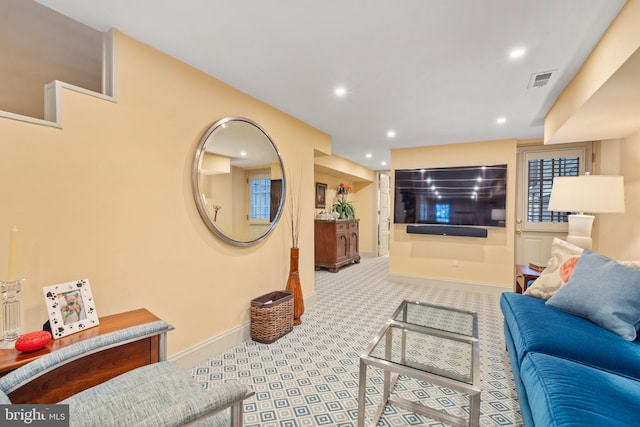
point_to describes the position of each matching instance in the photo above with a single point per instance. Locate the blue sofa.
(569, 371)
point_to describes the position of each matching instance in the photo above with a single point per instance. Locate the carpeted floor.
(309, 377)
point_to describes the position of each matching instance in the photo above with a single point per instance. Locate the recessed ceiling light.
(340, 91)
(369, 155)
(243, 153)
(383, 163)
(517, 53)
(501, 120)
(391, 134)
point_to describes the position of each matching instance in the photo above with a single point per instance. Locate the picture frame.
(70, 307)
(321, 195)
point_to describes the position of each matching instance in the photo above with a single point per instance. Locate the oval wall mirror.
(238, 181)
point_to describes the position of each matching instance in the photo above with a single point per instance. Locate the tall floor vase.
(293, 285)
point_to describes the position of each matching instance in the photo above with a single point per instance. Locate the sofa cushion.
(603, 291)
(536, 327)
(564, 256)
(564, 393)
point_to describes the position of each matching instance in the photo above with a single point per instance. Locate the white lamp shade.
(587, 193)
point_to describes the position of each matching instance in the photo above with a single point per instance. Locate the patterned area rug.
(309, 377)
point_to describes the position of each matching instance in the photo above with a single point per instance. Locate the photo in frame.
(321, 195)
(70, 307)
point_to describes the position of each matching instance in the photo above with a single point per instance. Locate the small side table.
(90, 370)
(524, 274)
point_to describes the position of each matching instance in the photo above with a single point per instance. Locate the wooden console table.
(92, 369)
(336, 244)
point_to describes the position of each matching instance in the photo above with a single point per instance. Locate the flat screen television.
(465, 196)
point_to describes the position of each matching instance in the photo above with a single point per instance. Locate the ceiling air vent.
(540, 79)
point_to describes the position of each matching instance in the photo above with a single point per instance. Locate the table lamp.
(586, 193)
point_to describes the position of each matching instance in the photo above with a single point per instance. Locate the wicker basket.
(271, 316)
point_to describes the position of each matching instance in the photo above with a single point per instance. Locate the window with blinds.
(540, 180)
(259, 195)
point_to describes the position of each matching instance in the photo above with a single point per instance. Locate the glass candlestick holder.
(11, 311)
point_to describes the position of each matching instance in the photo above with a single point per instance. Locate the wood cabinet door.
(353, 242)
(342, 246)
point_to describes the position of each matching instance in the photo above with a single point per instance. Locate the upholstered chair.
(158, 394)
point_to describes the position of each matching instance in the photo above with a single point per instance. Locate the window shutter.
(540, 179)
(260, 188)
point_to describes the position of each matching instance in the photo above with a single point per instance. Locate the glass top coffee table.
(432, 343)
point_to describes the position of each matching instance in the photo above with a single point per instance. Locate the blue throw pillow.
(603, 291)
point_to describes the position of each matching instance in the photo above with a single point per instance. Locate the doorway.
(384, 212)
(535, 225)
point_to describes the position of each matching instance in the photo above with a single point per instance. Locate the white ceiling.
(435, 71)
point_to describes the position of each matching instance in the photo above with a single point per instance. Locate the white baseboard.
(213, 346)
(218, 344)
(448, 283)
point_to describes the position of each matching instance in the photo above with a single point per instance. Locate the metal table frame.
(393, 370)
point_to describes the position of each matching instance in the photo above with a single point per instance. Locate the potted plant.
(343, 206)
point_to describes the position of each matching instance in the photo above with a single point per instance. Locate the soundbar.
(446, 230)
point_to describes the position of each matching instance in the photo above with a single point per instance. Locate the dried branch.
(294, 206)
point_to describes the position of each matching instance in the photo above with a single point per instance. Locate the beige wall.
(108, 198)
(599, 103)
(344, 168)
(618, 235)
(488, 261)
(333, 182)
(39, 46)
(363, 201)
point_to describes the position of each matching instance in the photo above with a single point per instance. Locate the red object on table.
(32, 341)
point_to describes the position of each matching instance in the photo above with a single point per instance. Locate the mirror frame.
(195, 183)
